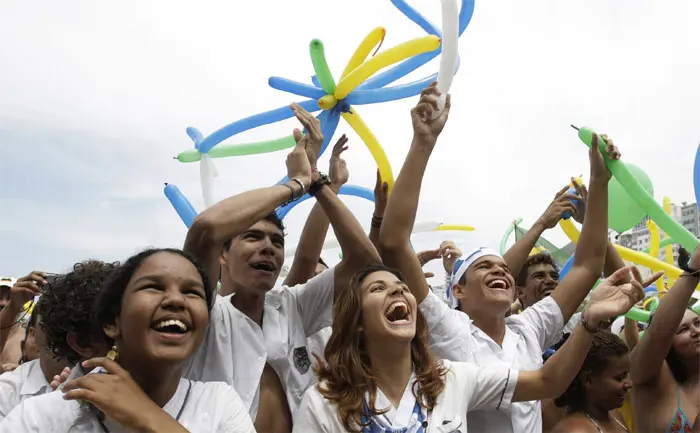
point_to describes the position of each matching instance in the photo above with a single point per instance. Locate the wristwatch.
(319, 183)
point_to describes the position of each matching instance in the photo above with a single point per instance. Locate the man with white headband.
(483, 287)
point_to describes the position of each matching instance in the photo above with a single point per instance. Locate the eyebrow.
(159, 279)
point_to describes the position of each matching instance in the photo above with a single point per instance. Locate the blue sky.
(95, 98)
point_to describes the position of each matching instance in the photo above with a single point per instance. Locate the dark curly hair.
(272, 217)
(534, 260)
(66, 305)
(605, 346)
(108, 303)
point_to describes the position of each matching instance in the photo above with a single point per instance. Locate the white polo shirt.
(209, 407)
(25, 381)
(528, 334)
(235, 349)
(467, 388)
(317, 343)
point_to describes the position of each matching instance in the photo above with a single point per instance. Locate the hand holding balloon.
(426, 128)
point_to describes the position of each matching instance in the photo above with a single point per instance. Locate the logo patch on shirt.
(301, 359)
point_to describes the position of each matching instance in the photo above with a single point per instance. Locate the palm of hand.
(609, 300)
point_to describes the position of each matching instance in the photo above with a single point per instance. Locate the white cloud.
(103, 93)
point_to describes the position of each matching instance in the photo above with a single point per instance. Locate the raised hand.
(117, 396)
(426, 129)
(425, 257)
(27, 287)
(695, 259)
(582, 201)
(559, 206)
(614, 297)
(381, 196)
(298, 165)
(313, 139)
(338, 169)
(450, 254)
(597, 161)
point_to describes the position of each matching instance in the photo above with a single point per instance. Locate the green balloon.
(222, 151)
(323, 72)
(638, 315)
(664, 242)
(623, 211)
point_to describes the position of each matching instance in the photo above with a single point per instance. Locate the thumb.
(619, 275)
(297, 135)
(428, 275)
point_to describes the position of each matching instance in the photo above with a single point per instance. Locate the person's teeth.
(166, 323)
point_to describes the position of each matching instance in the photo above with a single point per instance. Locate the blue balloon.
(357, 191)
(314, 79)
(416, 17)
(328, 128)
(296, 87)
(572, 191)
(566, 268)
(407, 66)
(182, 206)
(650, 289)
(696, 177)
(195, 135)
(253, 122)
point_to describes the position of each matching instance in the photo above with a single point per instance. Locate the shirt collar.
(33, 380)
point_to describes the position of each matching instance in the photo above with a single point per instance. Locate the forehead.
(167, 265)
(689, 316)
(385, 277)
(4, 290)
(266, 227)
(491, 260)
(541, 267)
(618, 363)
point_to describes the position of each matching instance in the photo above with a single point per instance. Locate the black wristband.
(318, 184)
(587, 326)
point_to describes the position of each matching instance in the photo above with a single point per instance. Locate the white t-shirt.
(235, 349)
(452, 336)
(467, 388)
(25, 381)
(317, 343)
(210, 407)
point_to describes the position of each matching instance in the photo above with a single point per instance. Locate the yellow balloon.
(454, 227)
(374, 37)
(361, 128)
(327, 102)
(654, 246)
(627, 254)
(384, 59)
(669, 248)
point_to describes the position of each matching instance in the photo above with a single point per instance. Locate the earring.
(114, 352)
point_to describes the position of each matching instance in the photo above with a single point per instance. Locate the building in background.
(638, 237)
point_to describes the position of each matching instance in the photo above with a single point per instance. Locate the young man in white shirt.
(257, 337)
(479, 331)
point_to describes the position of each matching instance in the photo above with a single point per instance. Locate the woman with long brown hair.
(381, 377)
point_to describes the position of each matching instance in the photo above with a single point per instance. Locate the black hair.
(534, 260)
(321, 262)
(108, 303)
(605, 347)
(66, 306)
(272, 217)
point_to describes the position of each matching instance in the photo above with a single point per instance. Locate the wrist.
(539, 227)
(424, 142)
(591, 322)
(335, 187)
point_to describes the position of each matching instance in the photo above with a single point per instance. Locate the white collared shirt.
(467, 388)
(210, 407)
(25, 381)
(235, 349)
(452, 336)
(317, 343)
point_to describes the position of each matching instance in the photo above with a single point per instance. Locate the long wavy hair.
(347, 376)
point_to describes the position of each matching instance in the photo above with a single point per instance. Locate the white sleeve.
(237, 418)
(315, 301)
(20, 420)
(444, 326)
(546, 321)
(9, 390)
(309, 418)
(488, 388)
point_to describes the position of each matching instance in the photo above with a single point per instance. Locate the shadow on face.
(541, 281)
(686, 342)
(608, 388)
(4, 296)
(255, 258)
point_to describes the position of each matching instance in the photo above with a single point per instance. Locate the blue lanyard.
(374, 428)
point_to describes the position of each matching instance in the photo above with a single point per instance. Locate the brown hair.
(348, 373)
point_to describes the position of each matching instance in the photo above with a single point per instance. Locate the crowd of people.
(154, 344)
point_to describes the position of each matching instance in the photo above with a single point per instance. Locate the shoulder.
(219, 392)
(574, 423)
(47, 412)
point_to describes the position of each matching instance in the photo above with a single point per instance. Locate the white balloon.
(450, 51)
(207, 173)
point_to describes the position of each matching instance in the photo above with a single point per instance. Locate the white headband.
(461, 267)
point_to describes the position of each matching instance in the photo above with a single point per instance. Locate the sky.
(95, 98)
